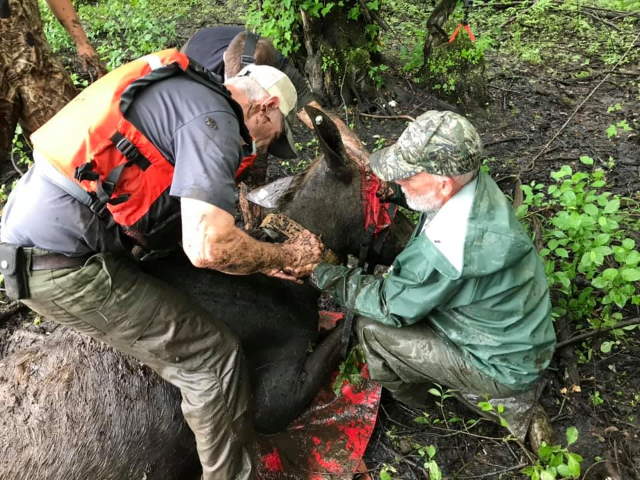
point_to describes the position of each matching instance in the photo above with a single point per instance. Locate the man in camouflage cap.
(466, 303)
(440, 143)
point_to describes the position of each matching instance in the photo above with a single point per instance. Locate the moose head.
(335, 198)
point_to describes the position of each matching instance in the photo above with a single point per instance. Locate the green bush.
(591, 258)
(121, 30)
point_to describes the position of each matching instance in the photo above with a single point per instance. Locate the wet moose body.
(76, 409)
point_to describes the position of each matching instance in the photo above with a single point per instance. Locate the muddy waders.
(110, 299)
(408, 361)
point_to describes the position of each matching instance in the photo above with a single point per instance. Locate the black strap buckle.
(126, 147)
(130, 151)
(85, 172)
(98, 207)
(250, 43)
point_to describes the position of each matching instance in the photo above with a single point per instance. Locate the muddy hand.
(90, 62)
(303, 252)
(276, 273)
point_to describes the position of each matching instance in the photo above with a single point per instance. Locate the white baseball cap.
(278, 85)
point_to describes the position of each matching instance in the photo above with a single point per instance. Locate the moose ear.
(330, 143)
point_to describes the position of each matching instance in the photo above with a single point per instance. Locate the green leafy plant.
(614, 108)
(496, 410)
(555, 461)
(21, 149)
(441, 394)
(591, 259)
(121, 30)
(279, 20)
(428, 454)
(293, 167)
(447, 65)
(376, 74)
(380, 142)
(349, 370)
(595, 398)
(387, 471)
(612, 130)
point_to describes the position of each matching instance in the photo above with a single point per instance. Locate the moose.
(76, 409)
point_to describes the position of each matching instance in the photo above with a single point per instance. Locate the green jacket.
(494, 306)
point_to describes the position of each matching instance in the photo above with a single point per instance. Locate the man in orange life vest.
(148, 151)
(225, 50)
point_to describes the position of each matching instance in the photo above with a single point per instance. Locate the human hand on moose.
(303, 252)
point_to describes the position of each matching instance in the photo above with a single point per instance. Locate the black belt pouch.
(14, 270)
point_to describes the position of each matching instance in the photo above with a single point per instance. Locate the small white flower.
(393, 104)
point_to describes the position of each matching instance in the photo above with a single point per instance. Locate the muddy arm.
(67, 16)
(211, 240)
(353, 146)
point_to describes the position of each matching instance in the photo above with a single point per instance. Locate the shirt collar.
(448, 229)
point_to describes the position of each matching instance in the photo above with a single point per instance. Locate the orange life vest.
(90, 144)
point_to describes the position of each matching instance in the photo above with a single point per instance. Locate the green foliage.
(555, 461)
(281, 20)
(375, 73)
(624, 5)
(596, 399)
(497, 410)
(428, 454)
(21, 150)
(387, 471)
(591, 259)
(529, 31)
(349, 371)
(614, 108)
(612, 130)
(309, 151)
(441, 394)
(121, 30)
(380, 143)
(447, 65)
(79, 82)
(4, 194)
(412, 215)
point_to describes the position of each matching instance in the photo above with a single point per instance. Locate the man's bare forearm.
(240, 254)
(67, 16)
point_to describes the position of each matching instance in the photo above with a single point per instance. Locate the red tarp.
(329, 439)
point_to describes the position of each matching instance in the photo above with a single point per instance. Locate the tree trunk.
(435, 34)
(340, 53)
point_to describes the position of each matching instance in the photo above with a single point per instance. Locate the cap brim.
(284, 147)
(387, 166)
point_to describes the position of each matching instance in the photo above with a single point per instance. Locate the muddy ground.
(525, 106)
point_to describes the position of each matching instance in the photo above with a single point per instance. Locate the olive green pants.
(112, 300)
(409, 360)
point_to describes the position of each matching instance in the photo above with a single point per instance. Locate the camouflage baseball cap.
(441, 143)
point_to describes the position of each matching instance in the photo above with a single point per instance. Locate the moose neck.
(329, 207)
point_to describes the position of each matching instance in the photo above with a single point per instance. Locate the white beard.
(426, 203)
